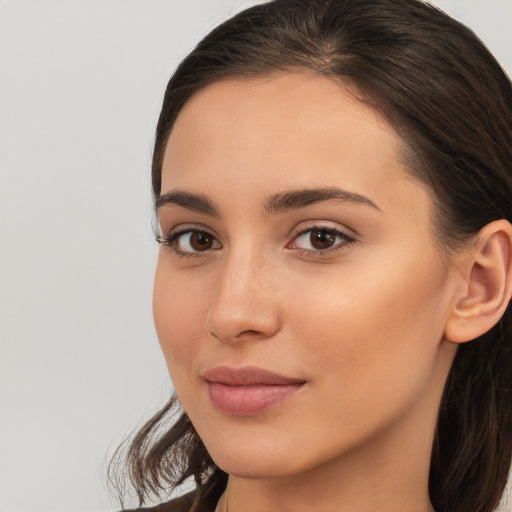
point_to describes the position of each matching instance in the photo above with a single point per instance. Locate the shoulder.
(181, 504)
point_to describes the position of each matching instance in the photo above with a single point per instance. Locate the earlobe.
(488, 286)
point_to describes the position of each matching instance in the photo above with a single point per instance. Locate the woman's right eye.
(191, 241)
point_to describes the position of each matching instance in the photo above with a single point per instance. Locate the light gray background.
(81, 83)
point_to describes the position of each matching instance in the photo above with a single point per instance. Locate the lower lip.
(249, 400)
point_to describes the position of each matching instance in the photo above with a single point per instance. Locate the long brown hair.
(451, 103)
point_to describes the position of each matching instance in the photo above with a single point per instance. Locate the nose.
(244, 303)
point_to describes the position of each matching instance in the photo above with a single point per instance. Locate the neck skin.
(389, 473)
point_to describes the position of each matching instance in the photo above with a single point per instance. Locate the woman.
(333, 190)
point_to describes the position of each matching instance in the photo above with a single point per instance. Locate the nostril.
(248, 333)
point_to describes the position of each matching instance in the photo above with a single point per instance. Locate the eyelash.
(347, 241)
(173, 238)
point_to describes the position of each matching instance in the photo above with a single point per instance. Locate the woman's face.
(300, 299)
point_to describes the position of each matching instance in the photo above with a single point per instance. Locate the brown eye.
(200, 241)
(321, 239)
(194, 241)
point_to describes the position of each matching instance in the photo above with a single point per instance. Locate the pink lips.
(248, 390)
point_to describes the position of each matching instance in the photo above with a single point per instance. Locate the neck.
(336, 491)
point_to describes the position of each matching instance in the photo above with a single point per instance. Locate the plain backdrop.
(81, 82)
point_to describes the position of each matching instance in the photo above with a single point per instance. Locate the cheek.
(371, 344)
(178, 311)
(367, 323)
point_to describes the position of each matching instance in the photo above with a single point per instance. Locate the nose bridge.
(243, 303)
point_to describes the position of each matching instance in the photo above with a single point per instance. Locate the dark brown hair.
(451, 103)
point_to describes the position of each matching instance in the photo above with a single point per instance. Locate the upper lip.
(247, 376)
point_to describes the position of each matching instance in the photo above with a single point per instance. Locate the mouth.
(248, 391)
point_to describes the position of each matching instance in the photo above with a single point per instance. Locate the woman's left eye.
(320, 239)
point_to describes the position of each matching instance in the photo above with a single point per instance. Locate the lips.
(248, 390)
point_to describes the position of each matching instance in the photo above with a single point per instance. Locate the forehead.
(282, 131)
(305, 99)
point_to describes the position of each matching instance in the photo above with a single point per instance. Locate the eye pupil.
(201, 241)
(322, 239)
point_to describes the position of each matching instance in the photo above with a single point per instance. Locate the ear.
(487, 287)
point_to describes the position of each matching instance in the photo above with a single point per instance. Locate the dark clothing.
(189, 502)
(181, 504)
(202, 499)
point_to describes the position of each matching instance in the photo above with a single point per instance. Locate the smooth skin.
(350, 294)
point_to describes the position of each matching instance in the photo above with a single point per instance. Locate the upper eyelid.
(187, 227)
(338, 231)
(322, 228)
(323, 224)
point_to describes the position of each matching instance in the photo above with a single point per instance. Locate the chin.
(261, 466)
(254, 456)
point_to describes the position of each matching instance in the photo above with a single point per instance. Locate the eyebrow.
(276, 203)
(299, 198)
(196, 202)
